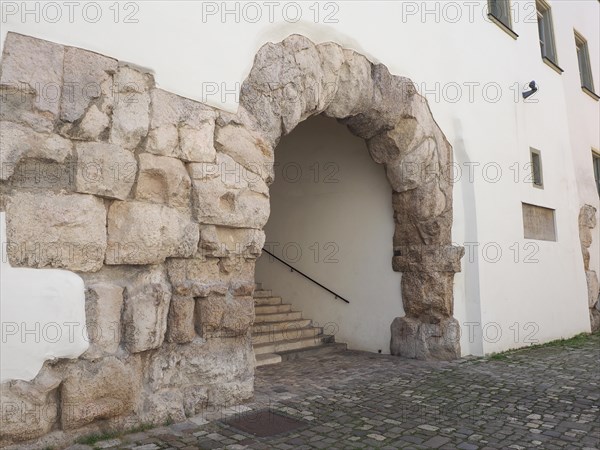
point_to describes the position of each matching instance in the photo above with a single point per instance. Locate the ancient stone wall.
(587, 222)
(158, 203)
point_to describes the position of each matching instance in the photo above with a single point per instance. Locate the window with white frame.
(546, 31)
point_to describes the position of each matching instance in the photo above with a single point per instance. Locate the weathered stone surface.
(200, 277)
(181, 128)
(104, 169)
(20, 142)
(227, 194)
(53, 230)
(593, 287)
(247, 149)
(180, 323)
(131, 112)
(95, 390)
(28, 409)
(414, 258)
(412, 338)
(224, 313)
(594, 319)
(146, 307)
(94, 126)
(230, 242)
(427, 294)
(163, 180)
(31, 81)
(587, 216)
(147, 233)
(87, 80)
(103, 305)
(199, 368)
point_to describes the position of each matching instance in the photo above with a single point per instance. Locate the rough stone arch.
(296, 79)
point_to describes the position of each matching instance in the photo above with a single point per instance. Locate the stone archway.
(296, 79)
(166, 246)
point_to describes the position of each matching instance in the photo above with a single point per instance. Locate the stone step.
(267, 358)
(292, 344)
(290, 325)
(270, 309)
(283, 335)
(261, 293)
(325, 348)
(267, 301)
(278, 317)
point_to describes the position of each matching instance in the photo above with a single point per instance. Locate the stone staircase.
(280, 333)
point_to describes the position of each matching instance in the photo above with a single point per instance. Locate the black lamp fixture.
(532, 90)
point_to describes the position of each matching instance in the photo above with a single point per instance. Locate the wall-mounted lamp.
(532, 90)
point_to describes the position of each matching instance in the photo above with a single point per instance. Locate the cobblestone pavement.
(545, 398)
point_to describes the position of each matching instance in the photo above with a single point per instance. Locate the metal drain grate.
(264, 423)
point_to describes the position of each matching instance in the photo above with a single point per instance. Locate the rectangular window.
(538, 223)
(546, 31)
(500, 10)
(536, 168)
(585, 69)
(596, 162)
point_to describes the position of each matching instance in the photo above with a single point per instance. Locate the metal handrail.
(293, 269)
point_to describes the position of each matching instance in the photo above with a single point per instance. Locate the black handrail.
(305, 276)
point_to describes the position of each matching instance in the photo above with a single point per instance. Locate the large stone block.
(427, 294)
(229, 314)
(131, 113)
(96, 390)
(146, 307)
(412, 338)
(56, 230)
(31, 81)
(436, 258)
(180, 323)
(181, 128)
(163, 180)
(28, 410)
(87, 79)
(227, 194)
(226, 242)
(104, 169)
(20, 142)
(103, 305)
(147, 233)
(593, 287)
(200, 277)
(247, 149)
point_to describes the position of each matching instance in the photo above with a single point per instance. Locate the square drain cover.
(264, 423)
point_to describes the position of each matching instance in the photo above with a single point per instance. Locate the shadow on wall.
(43, 316)
(332, 218)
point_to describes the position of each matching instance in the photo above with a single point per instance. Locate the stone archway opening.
(296, 79)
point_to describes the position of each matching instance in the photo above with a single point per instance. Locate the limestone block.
(163, 180)
(587, 216)
(104, 169)
(28, 409)
(103, 304)
(96, 390)
(592, 287)
(181, 128)
(428, 294)
(20, 142)
(224, 313)
(180, 323)
(131, 114)
(218, 241)
(31, 81)
(415, 258)
(199, 277)
(147, 233)
(247, 149)
(412, 338)
(146, 306)
(56, 230)
(332, 58)
(227, 194)
(87, 82)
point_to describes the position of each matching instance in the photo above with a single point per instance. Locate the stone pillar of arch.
(295, 79)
